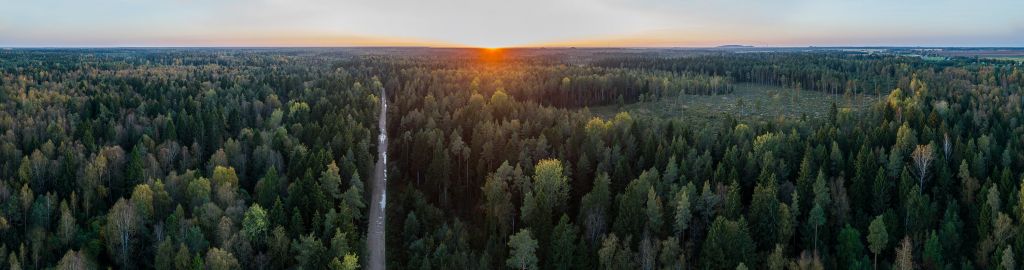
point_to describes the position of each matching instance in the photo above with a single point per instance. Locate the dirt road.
(375, 233)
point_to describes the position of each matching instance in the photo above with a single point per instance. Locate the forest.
(209, 158)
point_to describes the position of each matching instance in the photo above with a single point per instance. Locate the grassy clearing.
(747, 102)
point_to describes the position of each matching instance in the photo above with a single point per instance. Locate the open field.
(748, 101)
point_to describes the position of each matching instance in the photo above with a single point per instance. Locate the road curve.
(375, 229)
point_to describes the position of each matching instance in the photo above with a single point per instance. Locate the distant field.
(749, 101)
(983, 53)
(1008, 58)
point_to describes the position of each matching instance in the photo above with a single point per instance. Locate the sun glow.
(491, 55)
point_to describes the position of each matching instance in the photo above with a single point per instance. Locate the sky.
(510, 23)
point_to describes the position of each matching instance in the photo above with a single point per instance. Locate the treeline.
(830, 72)
(544, 80)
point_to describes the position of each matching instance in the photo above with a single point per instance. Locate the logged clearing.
(748, 101)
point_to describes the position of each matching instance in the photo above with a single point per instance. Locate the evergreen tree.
(523, 248)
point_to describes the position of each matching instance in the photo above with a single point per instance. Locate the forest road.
(375, 230)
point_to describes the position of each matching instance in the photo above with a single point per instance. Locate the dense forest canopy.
(259, 159)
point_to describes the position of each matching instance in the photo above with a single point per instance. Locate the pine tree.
(933, 252)
(878, 237)
(563, 245)
(523, 248)
(849, 248)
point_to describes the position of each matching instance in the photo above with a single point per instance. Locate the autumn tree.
(122, 229)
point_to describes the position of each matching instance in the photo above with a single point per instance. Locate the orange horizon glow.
(677, 38)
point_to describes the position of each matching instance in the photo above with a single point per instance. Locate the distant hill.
(733, 46)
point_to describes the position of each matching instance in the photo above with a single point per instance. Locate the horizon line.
(727, 46)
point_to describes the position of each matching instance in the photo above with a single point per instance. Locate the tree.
(728, 244)
(614, 254)
(764, 210)
(353, 203)
(849, 249)
(498, 205)
(549, 192)
(339, 244)
(1007, 259)
(218, 259)
(198, 191)
(523, 250)
(500, 103)
(776, 260)
(905, 255)
(135, 171)
(74, 260)
(594, 209)
(164, 256)
(877, 237)
(933, 252)
(563, 245)
(67, 227)
(671, 255)
(815, 219)
(350, 262)
(279, 248)
(1020, 200)
(268, 187)
(182, 258)
(330, 180)
(923, 157)
(654, 213)
(631, 218)
(122, 229)
(142, 200)
(225, 186)
(309, 252)
(255, 224)
(683, 213)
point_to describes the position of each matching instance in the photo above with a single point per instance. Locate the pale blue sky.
(495, 23)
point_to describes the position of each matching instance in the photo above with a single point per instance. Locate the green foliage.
(683, 209)
(933, 252)
(878, 236)
(255, 225)
(498, 203)
(594, 209)
(764, 214)
(629, 220)
(849, 248)
(549, 193)
(615, 254)
(310, 253)
(728, 244)
(563, 250)
(218, 259)
(523, 248)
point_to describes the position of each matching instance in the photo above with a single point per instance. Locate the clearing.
(747, 102)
